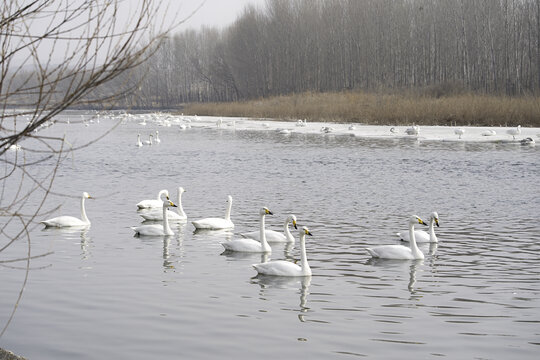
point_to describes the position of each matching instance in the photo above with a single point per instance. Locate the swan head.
(168, 203)
(435, 217)
(181, 190)
(229, 199)
(265, 211)
(86, 195)
(292, 219)
(164, 192)
(305, 231)
(414, 220)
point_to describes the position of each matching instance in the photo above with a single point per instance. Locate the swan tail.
(372, 253)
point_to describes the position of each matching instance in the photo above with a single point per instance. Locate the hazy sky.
(218, 13)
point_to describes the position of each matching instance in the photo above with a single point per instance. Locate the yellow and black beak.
(294, 224)
(172, 204)
(268, 212)
(307, 232)
(420, 221)
(437, 222)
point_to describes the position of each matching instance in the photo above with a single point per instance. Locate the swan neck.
(166, 228)
(306, 270)
(179, 208)
(228, 212)
(83, 212)
(286, 230)
(414, 247)
(264, 243)
(432, 236)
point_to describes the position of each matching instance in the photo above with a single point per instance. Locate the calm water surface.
(106, 294)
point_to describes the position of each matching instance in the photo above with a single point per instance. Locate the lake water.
(104, 293)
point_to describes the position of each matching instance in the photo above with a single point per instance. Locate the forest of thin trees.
(295, 46)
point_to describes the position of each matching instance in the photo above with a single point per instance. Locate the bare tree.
(55, 55)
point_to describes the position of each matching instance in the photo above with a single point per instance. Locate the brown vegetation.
(384, 109)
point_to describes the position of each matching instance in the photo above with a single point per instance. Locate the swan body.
(157, 203)
(139, 143)
(275, 236)
(70, 221)
(459, 132)
(413, 130)
(287, 268)
(251, 245)
(489, 133)
(400, 252)
(179, 215)
(216, 223)
(514, 131)
(157, 229)
(149, 141)
(423, 236)
(352, 127)
(157, 139)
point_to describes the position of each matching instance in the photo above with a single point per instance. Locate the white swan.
(527, 141)
(275, 236)
(459, 132)
(139, 143)
(400, 252)
(413, 130)
(514, 131)
(250, 245)
(157, 203)
(287, 268)
(156, 229)
(70, 221)
(149, 141)
(422, 236)
(216, 223)
(157, 215)
(489, 133)
(157, 139)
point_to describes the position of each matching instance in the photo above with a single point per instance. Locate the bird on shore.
(514, 131)
(413, 130)
(459, 132)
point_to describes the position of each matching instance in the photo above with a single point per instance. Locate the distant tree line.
(295, 46)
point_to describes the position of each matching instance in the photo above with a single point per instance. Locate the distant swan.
(250, 245)
(147, 204)
(459, 132)
(275, 236)
(156, 229)
(157, 139)
(157, 215)
(216, 223)
(422, 236)
(528, 141)
(514, 131)
(489, 133)
(413, 130)
(139, 143)
(149, 141)
(287, 268)
(400, 252)
(70, 221)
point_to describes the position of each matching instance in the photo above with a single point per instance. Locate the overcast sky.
(219, 13)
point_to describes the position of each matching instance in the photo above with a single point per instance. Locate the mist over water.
(105, 293)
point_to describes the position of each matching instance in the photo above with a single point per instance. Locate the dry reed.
(384, 109)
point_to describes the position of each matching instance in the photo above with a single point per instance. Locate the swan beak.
(422, 222)
(437, 222)
(268, 212)
(294, 224)
(172, 204)
(307, 232)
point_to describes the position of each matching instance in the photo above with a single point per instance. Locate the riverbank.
(385, 109)
(8, 355)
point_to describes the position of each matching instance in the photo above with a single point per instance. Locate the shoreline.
(498, 135)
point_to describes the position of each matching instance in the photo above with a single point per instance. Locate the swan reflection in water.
(269, 283)
(399, 266)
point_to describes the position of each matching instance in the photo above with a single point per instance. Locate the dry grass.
(384, 109)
